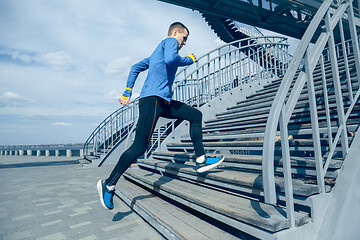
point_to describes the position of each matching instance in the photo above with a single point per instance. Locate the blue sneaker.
(106, 194)
(208, 163)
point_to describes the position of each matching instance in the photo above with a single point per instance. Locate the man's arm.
(134, 73)
(171, 55)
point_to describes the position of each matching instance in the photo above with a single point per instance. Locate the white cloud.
(59, 61)
(22, 57)
(11, 99)
(118, 67)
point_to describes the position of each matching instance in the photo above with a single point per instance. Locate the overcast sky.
(64, 63)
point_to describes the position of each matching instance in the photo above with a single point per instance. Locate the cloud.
(11, 99)
(119, 67)
(114, 95)
(58, 61)
(61, 124)
(21, 57)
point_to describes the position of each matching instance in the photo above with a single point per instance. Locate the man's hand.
(194, 57)
(124, 101)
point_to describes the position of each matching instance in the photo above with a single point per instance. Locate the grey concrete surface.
(55, 198)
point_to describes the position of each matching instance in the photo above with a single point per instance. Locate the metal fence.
(337, 20)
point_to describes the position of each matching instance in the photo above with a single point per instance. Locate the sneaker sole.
(207, 168)
(100, 191)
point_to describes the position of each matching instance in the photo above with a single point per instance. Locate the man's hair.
(179, 26)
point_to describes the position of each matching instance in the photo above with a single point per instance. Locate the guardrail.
(330, 15)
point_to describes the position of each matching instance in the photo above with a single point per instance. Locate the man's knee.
(137, 149)
(196, 115)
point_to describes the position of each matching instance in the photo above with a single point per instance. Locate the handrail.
(304, 62)
(116, 127)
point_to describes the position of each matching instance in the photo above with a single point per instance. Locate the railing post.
(289, 195)
(337, 86)
(354, 37)
(347, 69)
(158, 138)
(111, 131)
(173, 128)
(326, 101)
(198, 89)
(314, 124)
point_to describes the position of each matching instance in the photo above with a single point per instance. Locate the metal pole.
(289, 195)
(314, 124)
(337, 87)
(326, 100)
(354, 38)
(347, 69)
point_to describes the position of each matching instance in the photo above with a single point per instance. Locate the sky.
(64, 64)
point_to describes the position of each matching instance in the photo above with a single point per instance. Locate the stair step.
(297, 168)
(302, 106)
(301, 166)
(266, 98)
(238, 212)
(317, 79)
(317, 71)
(246, 159)
(292, 142)
(260, 123)
(239, 135)
(264, 104)
(170, 220)
(237, 180)
(299, 115)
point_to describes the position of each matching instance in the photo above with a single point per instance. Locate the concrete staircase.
(228, 200)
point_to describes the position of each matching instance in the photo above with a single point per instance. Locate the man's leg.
(149, 111)
(179, 110)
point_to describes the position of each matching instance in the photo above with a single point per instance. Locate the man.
(155, 101)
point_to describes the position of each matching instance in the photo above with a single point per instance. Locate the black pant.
(150, 109)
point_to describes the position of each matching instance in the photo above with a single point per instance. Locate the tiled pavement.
(56, 198)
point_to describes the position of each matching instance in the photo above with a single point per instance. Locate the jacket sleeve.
(134, 73)
(171, 55)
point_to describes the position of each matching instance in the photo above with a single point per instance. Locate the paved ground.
(56, 198)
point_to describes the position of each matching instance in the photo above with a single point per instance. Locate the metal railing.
(336, 18)
(223, 69)
(213, 74)
(249, 30)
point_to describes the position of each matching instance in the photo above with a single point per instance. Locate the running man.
(155, 101)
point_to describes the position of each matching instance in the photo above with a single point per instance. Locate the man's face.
(181, 37)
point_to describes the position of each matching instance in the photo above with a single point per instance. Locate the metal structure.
(334, 18)
(220, 70)
(290, 18)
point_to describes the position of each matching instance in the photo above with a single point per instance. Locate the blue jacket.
(162, 64)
